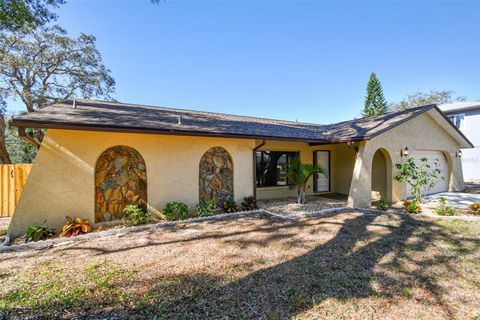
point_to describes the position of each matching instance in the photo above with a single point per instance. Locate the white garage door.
(442, 183)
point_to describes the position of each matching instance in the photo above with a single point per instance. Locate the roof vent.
(179, 119)
(74, 104)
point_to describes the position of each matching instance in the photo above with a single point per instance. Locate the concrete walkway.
(454, 199)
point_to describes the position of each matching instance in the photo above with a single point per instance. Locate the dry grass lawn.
(345, 266)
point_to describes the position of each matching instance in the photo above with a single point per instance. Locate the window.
(271, 167)
(457, 120)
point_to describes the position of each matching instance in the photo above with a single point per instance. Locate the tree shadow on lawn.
(347, 266)
(340, 269)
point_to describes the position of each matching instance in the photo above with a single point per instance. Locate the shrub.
(75, 226)
(36, 233)
(175, 211)
(230, 206)
(443, 209)
(420, 176)
(249, 203)
(382, 204)
(205, 210)
(475, 208)
(134, 215)
(412, 206)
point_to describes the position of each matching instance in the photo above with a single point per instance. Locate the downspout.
(24, 136)
(255, 167)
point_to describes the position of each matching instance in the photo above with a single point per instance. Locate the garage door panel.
(441, 185)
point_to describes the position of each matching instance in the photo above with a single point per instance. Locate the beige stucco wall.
(306, 156)
(344, 163)
(62, 178)
(420, 133)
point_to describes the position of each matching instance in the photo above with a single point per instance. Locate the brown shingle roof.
(121, 117)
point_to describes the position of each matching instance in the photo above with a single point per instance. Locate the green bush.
(205, 210)
(36, 233)
(230, 206)
(249, 203)
(421, 175)
(135, 215)
(175, 211)
(382, 204)
(412, 206)
(443, 209)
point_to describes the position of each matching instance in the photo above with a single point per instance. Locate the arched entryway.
(120, 179)
(381, 176)
(216, 176)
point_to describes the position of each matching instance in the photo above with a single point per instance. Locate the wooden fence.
(12, 180)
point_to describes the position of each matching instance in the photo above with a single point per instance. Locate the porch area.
(361, 171)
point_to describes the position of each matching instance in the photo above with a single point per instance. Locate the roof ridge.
(191, 110)
(428, 106)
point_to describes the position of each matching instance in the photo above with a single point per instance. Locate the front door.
(322, 180)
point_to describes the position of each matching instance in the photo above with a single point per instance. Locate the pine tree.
(375, 103)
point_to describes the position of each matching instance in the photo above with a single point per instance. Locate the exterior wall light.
(458, 154)
(405, 152)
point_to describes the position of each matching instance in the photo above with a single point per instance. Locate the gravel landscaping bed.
(290, 207)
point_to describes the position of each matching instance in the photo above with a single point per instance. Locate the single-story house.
(98, 156)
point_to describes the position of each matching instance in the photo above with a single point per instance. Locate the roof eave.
(461, 109)
(121, 129)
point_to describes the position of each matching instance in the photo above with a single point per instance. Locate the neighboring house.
(466, 117)
(98, 156)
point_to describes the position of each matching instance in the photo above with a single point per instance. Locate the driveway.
(455, 199)
(472, 187)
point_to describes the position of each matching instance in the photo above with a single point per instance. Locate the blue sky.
(289, 60)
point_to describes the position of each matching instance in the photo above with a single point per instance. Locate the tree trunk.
(301, 196)
(39, 135)
(4, 156)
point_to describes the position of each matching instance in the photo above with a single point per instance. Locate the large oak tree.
(17, 14)
(43, 65)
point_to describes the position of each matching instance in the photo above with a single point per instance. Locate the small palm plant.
(298, 175)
